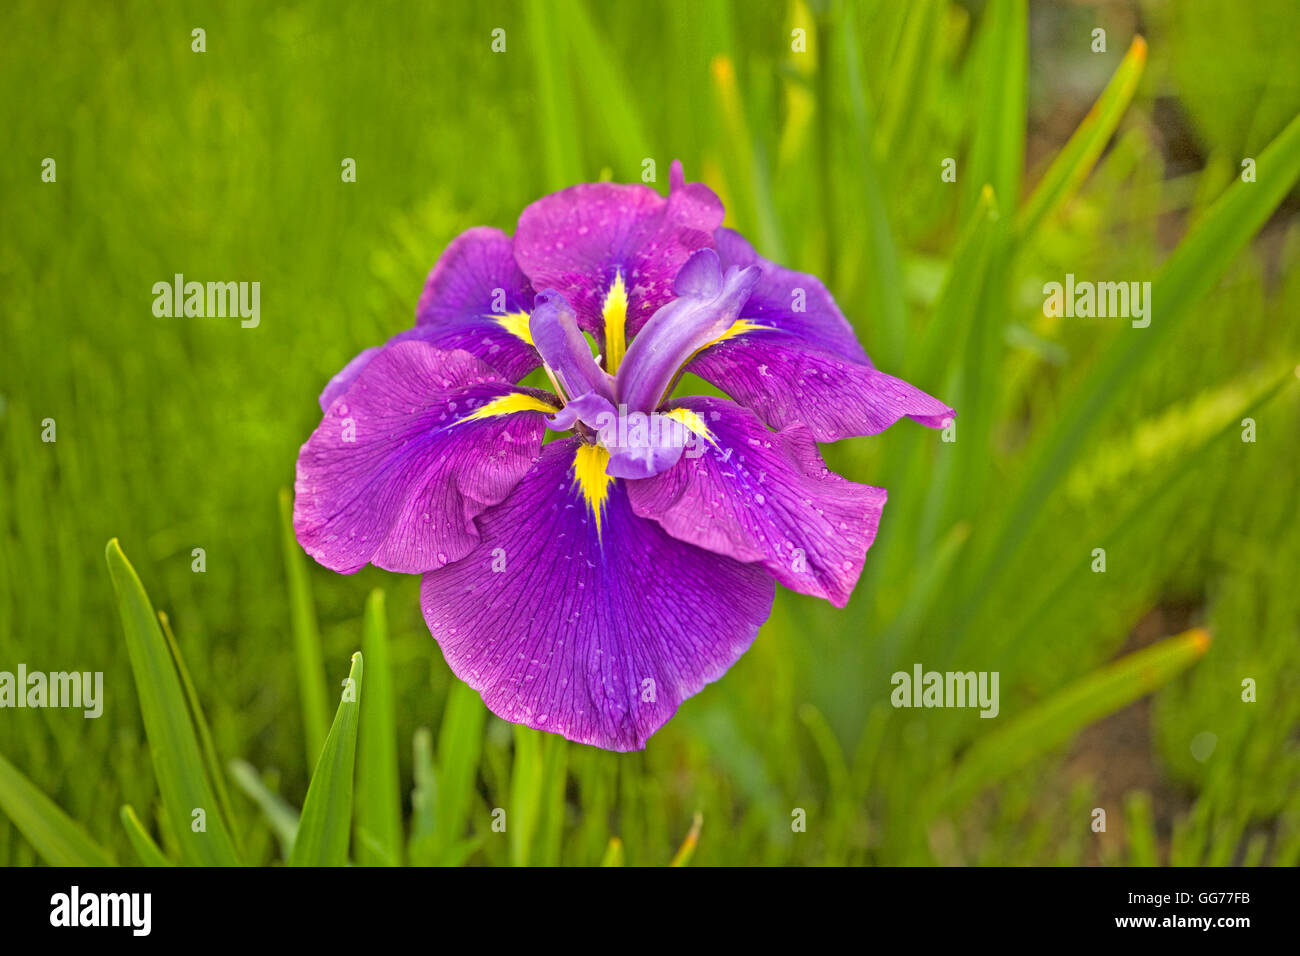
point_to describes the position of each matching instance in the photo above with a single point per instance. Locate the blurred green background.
(1073, 434)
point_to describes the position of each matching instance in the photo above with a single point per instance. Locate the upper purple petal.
(597, 636)
(578, 239)
(767, 497)
(394, 475)
(475, 281)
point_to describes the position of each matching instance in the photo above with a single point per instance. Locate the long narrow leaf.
(460, 742)
(525, 795)
(557, 128)
(997, 154)
(59, 839)
(187, 794)
(1073, 163)
(209, 749)
(379, 800)
(555, 764)
(326, 820)
(145, 848)
(306, 637)
(687, 849)
(613, 104)
(883, 286)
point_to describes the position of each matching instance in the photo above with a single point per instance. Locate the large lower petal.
(581, 239)
(784, 382)
(593, 628)
(477, 299)
(420, 443)
(757, 495)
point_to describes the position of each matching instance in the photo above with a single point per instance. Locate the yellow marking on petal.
(692, 422)
(590, 478)
(738, 328)
(516, 323)
(615, 314)
(508, 405)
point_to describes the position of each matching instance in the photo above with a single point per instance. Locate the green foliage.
(326, 823)
(183, 782)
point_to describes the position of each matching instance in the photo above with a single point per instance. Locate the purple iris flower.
(589, 584)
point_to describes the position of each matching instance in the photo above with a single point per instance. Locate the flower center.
(618, 407)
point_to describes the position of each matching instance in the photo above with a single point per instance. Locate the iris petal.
(473, 300)
(595, 637)
(784, 382)
(580, 239)
(402, 463)
(766, 497)
(788, 301)
(793, 357)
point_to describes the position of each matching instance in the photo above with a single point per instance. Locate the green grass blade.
(954, 310)
(379, 800)
(838, 806)
(141, 842)
(687, 849)
(208, 748)
(423, 850)
(460, 742)
(557, 130)
(613, 853)
(1038, 597)
(525, 794)
(177, 757)
(326, 821)
(1073, 163)
(306, 637)
(912, 66)
(883, 286)
(59, 839)
(609, 95)
(555, 763)
(281, 816)
(751, 197)
(1141, 827)
(1057, 719)
(998, 151)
